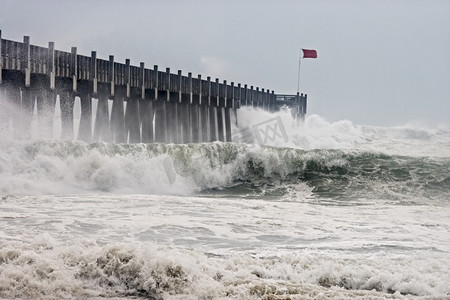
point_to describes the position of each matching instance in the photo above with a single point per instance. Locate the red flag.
(309, 53)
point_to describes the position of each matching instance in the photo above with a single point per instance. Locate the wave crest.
(70, 166)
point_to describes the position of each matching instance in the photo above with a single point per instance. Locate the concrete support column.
(118, 120)
(45, 104)
(204, 123)
(102, 131)
(183, 120)
(146, 116)
(66, 102)
(212, 124)
(172, 122)
(85, 129)
(4, 109)
(179, 123)
(14, 109)
(21, 118)
(160, 122)
(132, 121)
(227, 124)
(195, 122)
(220, 127)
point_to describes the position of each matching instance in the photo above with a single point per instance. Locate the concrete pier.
(134, 104)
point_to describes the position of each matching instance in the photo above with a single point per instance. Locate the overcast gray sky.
(380, 62)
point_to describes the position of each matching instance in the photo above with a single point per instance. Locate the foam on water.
(181, 247)
(84, 269)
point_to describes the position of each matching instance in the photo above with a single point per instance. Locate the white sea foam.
(80, 269)
(210, 247)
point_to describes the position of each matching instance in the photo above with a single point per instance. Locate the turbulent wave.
(326, 160)
(70, 166)
(83, 269)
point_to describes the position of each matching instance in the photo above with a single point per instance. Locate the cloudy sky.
(380, 62)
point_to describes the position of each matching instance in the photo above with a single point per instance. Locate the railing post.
(93, 70)
(261, 98)
(74, 68)
(111, 77)
(200, 89)
(216, 100)
(4, 115)
(245, 98)
(305, 98)
(142, 79)
(167, 84)
(127, 77)
(156, 87)
(190, 87)
(230, 102)
(208, 79)
(180, 86)
(51, 64)
(267, 100)
(272, 102)
(257, 97)
(237, 102)
(26, 60)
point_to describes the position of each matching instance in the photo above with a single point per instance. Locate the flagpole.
(298, 77)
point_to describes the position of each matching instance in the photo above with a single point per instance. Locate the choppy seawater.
(340, 211)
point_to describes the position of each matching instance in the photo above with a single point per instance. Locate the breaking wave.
(71, 166)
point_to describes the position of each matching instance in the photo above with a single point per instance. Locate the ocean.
(318, 210)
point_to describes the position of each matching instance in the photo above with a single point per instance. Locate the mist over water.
(336, 210)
